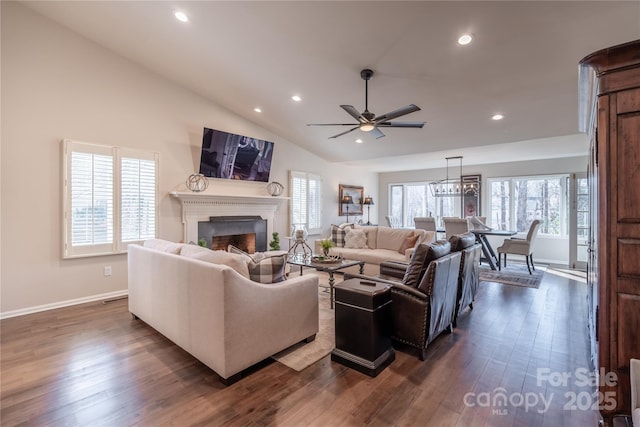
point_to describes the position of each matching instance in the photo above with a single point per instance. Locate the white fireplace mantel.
(198, 207)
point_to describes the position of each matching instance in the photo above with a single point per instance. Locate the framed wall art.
(471, 195)
(354, 194)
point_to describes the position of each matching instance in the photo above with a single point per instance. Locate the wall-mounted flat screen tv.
(230, 156)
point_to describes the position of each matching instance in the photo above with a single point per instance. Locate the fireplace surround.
(199, 207)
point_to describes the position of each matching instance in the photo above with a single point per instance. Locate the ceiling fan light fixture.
(367, 127)
(465, 39)
(181, 16)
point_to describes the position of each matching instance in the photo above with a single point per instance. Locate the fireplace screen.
(248, 233)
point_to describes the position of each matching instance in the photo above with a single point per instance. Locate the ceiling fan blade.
(401, 124)
(397, 113)
(344, 133)
(354, 113)
(377, 133)
(331, 124)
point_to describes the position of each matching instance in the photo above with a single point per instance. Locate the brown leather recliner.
(423, 312)
(424, 301)
(469, 275)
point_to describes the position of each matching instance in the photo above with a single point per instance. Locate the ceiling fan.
(369, 122)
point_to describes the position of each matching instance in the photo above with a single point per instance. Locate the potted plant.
(326, 245)
(275, 243)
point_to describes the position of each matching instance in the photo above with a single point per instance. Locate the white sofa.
(383, 244)
(223, 319)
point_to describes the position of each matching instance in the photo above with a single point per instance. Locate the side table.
(363, 326)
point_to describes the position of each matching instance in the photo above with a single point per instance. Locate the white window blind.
(138, 199)
(110, 198)
(306, 201)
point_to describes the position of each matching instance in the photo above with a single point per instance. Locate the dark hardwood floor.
(92, 365)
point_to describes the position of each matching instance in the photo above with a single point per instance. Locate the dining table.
(489, 254)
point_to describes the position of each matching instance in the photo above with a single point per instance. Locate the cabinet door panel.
(628, 343)
(628, 172)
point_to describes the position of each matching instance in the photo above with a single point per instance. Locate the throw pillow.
(268, 270)
(355, 239)
(338, 233)
(409, 242)
(263, 268)
(235, 261)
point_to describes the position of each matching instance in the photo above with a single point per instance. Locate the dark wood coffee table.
(328, 267)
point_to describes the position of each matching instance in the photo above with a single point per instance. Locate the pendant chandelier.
(453, 186)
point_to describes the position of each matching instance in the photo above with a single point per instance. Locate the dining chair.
(519, 246)
(393, 221)
(478, 223)
(425, 223)
(454, 226)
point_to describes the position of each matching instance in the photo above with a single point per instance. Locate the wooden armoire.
(610, 101)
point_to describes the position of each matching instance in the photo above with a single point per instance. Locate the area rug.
(301, 355)
(515, 275)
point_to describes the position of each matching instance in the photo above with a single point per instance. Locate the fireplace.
(248, 233)
(199, 207)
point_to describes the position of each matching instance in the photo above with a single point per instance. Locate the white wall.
(55, 85)
(548, 249)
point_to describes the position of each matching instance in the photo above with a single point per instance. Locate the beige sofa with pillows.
(206, 303)
(373, 244)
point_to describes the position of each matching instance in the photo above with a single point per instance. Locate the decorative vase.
(275, 188)
(299, 232)
(197, 182)
(325, 251)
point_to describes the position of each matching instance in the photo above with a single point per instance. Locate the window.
(110, 198)
(306, 197)
(410, 200)
(517, 201)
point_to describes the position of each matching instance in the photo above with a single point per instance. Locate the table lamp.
(347, 200)
(368, 201)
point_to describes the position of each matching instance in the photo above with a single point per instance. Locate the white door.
(579, 222)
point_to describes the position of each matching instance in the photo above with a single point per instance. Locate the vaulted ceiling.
(523, 63)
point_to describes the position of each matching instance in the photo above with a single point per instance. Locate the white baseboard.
(61, 304)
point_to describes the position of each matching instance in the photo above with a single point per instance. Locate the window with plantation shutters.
(306, 201)
(110, 198)
(138, 199)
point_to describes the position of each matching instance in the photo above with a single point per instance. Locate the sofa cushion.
(392, 238)
(355, 238)
(408, 242)
(338, 233)
(417, 266)
(369, 256)
(263, 268)
(462, 241)
(163, 245)
(235, 261)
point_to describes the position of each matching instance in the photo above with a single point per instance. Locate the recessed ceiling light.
(258, 110)
(465, 39)
(359, 141)
(296, 98)
(181, 16)
(497, 117)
